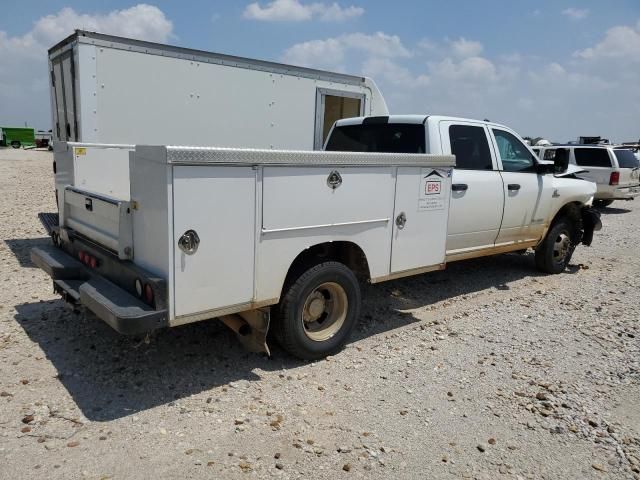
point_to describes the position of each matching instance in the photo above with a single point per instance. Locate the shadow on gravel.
(21, 248)
(613, 210)
(111, 376)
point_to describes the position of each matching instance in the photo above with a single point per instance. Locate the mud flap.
(251, 328)
(590, 222)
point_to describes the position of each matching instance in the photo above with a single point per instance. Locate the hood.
(571, 169)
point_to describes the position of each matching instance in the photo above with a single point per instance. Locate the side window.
(514, 155)
(470, 146)
(592, 157)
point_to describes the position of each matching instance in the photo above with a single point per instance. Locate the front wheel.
(318, 311)
(555, 251)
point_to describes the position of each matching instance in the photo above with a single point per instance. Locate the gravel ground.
(486, 370)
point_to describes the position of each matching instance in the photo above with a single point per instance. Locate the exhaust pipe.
(251, 328)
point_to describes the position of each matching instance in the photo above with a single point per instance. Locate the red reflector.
(93, 262)
(614, 179)
(81, 256)
(148, 294)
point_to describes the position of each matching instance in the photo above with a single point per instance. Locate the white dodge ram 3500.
(262, 238)
(503, 198)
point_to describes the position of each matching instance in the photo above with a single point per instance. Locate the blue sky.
(557, 69)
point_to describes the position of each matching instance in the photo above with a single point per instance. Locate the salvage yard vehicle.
(503, 198)
(228, 233)
(284, 238)
(616, 171)
(16, 137)
(108, 89)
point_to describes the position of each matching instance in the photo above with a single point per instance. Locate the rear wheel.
(16, 144)
(318, 311)
(555, 251)
(602, 203)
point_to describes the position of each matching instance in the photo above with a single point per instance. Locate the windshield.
(385, 138)
(626, 159)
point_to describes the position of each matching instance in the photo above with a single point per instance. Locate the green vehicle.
(17, 137)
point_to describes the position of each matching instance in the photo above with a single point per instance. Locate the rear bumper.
(78, 285)
(618, 193)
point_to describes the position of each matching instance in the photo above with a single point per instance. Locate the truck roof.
(414, 118)
(152, 48)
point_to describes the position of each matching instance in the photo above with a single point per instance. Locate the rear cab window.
(470, 146)
(384, 138)
(592, 157)
(626, 159)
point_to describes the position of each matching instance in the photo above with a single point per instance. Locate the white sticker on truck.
(431, 187)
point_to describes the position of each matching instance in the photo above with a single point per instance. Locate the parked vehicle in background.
(114, 90)
(614, 170)
(503, 198)
(17, 137)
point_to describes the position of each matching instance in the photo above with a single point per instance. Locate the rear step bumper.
(49, 221)
(78, 285)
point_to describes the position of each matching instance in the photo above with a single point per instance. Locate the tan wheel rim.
(561, 247)
(324, 311)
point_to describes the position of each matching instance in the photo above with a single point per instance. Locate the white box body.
(107, 89)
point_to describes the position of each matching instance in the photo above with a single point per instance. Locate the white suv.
(615, 171)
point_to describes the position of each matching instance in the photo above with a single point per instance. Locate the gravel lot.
(486, 370)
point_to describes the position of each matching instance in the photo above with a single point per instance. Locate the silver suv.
(614, 170)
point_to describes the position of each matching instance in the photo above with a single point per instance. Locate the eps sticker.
(431, 197)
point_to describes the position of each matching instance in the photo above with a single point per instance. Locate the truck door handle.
(459, 187)
(513, 186)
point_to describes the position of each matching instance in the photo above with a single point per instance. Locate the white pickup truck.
(503, 197)
(262, 238)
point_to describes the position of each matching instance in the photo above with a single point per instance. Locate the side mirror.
(561, 160)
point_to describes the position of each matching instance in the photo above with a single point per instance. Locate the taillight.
(87, 259)
(614, 179)
(148, 294)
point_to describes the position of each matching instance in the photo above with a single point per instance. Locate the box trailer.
(17, 137)
(107, 89)
(229, 233)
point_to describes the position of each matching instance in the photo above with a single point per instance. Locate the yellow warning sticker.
(81, 151)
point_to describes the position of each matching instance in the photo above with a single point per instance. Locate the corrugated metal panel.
(233, 156)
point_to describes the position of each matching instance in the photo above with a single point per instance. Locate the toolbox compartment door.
(420, 218)
(217, 203)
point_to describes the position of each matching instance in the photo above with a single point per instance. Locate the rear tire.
(318, 311)
(16, 144)
(602, 203)
(555, 251)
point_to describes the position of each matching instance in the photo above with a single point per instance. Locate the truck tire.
(318, 311)
(602, 203)
(15, 144)
(555, 251)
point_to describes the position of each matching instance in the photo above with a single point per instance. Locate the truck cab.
(502, 197)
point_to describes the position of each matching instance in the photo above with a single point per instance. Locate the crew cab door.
(477, 195)
(527, 195)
